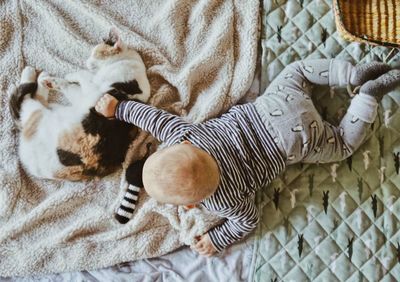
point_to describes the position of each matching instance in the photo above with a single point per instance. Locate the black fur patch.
(68, 158)
(17, 98)
(134, 173)
(130, 87)
(115, 138)
(115, 135)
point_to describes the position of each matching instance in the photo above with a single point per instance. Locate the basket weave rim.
(344, 29)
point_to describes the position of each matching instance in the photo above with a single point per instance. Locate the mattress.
(338, 221)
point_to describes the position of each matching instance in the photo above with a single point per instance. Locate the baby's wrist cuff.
(340, 72)
(364, 107)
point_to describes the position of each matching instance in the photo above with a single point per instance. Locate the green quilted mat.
(339, 221)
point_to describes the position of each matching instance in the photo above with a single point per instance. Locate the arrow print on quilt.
(333, 171)
(396, 158)
(350, 247)
(279, 33)
(374, 204)
(324, 36)
(293, 197)
(300, 243)
(286, 224)
(381, 172)
(311, 183)
(360, 187)
(276, 197)
(325, 199)
(366, 159)
(386, 117)
(349, 161)
(398, 252)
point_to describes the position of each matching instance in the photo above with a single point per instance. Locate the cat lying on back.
(73, 142)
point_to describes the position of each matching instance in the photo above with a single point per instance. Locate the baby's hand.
(107, 106)
(204, 246)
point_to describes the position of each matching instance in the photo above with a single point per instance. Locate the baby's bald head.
(181, 174)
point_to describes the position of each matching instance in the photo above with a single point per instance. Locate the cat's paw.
(142, 97)
(28, 75)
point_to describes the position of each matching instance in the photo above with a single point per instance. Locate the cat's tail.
(128, 204)
(28, 86)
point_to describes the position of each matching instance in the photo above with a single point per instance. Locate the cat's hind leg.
(28, 75)
(25, 90)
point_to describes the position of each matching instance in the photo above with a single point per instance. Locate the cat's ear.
(118, 44)
(114, 34)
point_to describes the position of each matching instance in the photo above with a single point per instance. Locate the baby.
(221, 163)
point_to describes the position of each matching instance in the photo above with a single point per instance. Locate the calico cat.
(73, 142)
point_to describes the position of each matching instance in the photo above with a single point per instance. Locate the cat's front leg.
(144, 87)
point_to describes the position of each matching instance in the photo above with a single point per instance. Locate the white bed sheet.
(234, 264)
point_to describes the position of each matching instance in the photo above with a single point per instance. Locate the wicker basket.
(371, 21)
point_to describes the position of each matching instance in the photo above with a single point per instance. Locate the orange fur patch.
(30, 127)
(103, 51)
(71, 173)
(78, 142)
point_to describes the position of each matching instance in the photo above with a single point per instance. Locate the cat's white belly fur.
(43, 161)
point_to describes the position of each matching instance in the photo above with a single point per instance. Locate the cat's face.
(112, 49)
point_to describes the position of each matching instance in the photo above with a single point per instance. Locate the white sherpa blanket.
(200, 57)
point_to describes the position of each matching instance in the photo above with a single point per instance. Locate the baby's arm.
(240, 222)
(157, 122)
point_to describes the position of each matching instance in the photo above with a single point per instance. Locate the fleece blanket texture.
(200, 58)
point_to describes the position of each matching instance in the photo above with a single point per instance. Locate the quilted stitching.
(363, 211)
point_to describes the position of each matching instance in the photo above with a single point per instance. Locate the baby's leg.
(298, 128)
(338, 143)
(301, 75)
